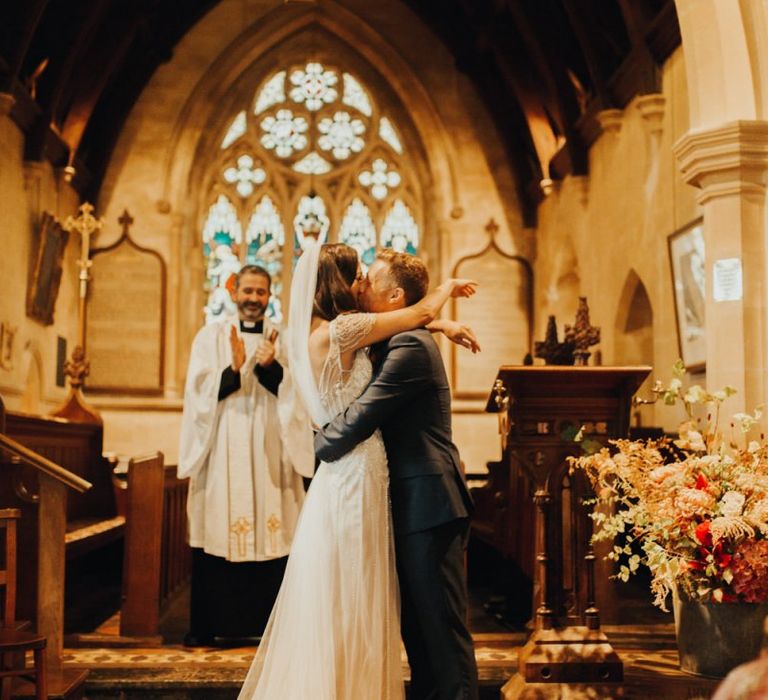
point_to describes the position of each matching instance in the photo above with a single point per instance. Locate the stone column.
(729, 164)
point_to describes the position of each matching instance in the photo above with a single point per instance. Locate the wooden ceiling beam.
(109, 54)
(584, 36)
(18, 23)
(562, 101)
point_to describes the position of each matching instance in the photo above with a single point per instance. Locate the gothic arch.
(634, 324)
(726, 58)
(254, 53)
(34, 379)
(633, 335)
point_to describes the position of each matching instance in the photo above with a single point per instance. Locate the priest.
(246, 487)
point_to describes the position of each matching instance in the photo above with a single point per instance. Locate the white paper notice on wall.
(727, 282)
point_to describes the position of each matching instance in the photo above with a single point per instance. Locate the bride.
(334, 633)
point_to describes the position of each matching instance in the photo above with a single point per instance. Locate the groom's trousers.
(430, 566)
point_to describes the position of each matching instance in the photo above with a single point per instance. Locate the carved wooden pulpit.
(540, 411)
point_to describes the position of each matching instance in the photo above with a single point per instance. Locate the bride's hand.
(462, 287)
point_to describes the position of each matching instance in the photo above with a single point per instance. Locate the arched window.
(315, 155)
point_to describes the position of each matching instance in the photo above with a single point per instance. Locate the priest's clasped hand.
(265, 354)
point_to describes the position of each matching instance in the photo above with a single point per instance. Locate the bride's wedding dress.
(334, 633)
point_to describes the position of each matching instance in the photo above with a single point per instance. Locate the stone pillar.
(729, 164)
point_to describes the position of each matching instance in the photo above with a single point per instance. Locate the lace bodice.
(339, 387)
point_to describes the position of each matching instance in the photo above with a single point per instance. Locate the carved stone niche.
(500, 314)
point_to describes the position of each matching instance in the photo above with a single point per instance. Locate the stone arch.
(253, 52)
(633, 336)
(31, 400)
(726, 58)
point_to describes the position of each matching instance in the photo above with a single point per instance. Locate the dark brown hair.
(407, 272)
(253, 270)
(336, 272)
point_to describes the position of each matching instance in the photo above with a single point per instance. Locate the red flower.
(702, 532)
(701, 482)
(723, 559)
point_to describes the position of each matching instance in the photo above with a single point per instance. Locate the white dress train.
(334, 633)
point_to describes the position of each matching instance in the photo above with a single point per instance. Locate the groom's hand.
(460, 334)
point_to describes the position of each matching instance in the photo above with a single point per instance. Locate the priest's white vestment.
(245, 454)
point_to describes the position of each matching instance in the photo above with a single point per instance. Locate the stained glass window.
(311, 127)
(389, 135)
(272, 93)
(400, 231)
(355, 96)
(284, 133)
(312, 164)
(310, 219)
(357, 230)
(236, 129)
(265, 237)
(314, 86)
(379, 179)
(341, 135)
(245, 175)
(222, 235)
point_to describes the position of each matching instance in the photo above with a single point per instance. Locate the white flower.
(662, 473)
(732, 503)
(696, 394)
(691, 440)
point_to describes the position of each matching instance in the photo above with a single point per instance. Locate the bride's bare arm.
(391, 323)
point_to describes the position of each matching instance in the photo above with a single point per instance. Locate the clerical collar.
(251, 326)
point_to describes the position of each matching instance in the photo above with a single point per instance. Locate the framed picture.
(45, 271)
(687, 260)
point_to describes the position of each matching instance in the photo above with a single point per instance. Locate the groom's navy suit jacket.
(409, 399)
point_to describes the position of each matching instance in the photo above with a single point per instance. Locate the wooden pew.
(157, 556)
(151, 516)
(39, 489)
(92, 518)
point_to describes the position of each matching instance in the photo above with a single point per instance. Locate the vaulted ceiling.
(544, 69)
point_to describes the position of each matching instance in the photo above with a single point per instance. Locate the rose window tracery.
(316, 156)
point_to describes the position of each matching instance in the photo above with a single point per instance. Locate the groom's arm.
(404, 373)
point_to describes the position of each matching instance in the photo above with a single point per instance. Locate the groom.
(409, 400)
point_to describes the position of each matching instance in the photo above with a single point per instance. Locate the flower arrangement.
(694, 510)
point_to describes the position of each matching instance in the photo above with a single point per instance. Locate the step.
(67, 684)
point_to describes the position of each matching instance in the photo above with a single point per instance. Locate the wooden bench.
(38, 489)
(157, 556)
(92, 518)
(147, 510)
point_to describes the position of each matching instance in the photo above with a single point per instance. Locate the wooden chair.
(15, 643)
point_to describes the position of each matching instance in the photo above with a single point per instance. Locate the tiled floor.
(173, 672)
(651, 668)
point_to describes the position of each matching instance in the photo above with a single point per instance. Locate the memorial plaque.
(126, 319)
(500, 316)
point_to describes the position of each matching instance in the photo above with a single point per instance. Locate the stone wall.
(28, 379)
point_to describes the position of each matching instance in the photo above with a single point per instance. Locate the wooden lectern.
(540, 411)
